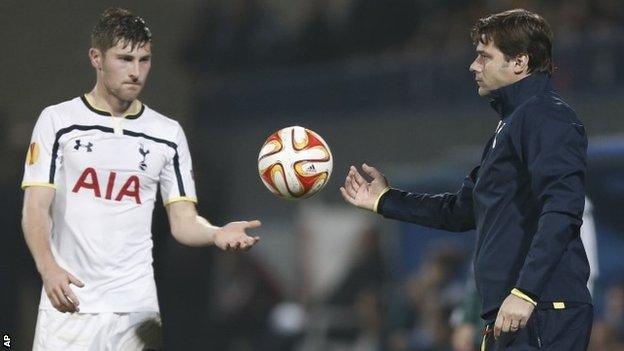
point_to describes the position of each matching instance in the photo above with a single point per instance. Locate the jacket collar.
(506, 99)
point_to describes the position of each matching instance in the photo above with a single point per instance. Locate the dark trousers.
(548, 329)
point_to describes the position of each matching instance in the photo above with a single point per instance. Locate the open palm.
(363, 193)
(233, 236)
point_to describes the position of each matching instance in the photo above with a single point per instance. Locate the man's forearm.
(195, 231)
(36, 227)
(442, 211)
(190, 229)
(453, 212)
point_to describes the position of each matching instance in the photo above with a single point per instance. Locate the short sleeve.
(41, 158)
(176, 178)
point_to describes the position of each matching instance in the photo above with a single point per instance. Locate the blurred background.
(384, 82)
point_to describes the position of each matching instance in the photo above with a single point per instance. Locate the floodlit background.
(384, 82)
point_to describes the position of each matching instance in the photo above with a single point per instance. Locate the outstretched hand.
(232, 236)
(363, 193)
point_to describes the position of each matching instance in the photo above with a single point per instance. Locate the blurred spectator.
(466, 320)
(288, 321)
(360, 293)
(432, 292)
(603, 338)
(245, 296)
(367, 272)
(615, 311)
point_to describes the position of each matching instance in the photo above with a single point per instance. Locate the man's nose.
(473, 66)
(134, 72)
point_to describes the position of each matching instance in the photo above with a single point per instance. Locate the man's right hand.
(56, 282)
(360, 192)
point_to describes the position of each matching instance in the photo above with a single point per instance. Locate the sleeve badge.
(33, 154)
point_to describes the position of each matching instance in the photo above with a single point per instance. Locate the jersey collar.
(130, 115)
(506, 99)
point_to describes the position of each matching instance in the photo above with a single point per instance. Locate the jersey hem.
(106, 310)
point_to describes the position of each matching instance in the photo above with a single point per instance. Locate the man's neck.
(103, 100)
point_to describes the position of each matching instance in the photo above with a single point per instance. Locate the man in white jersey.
(90, 180)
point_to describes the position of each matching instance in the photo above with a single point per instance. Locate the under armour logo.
(79, 145)
(143, 152)
(500, 126)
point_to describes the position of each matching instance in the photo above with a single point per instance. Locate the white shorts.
(97, 331)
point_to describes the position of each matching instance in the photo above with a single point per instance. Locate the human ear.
(521, 64)
(95, 56)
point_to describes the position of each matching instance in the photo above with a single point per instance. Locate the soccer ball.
(295, 163)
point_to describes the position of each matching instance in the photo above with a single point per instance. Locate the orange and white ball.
(295, 163)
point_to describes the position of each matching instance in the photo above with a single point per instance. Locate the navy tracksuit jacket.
(525, 200)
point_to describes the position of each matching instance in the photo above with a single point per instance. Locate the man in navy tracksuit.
(525, 199)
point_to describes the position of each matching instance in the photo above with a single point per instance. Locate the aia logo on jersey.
(89, 181)
(143, 151)
(87, 146)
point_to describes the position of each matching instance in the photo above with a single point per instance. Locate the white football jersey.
(106, 171)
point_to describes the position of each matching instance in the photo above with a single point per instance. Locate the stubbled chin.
(130, 95)
(483, 92)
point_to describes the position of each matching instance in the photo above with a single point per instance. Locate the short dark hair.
(117, 24)
(517, 32)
